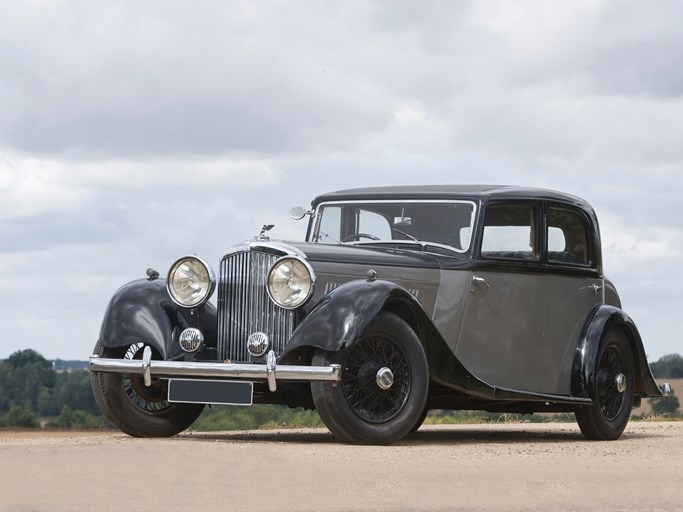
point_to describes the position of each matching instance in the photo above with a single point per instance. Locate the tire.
(420, 421)
(357, 410)
(135, 409)
(606, 418)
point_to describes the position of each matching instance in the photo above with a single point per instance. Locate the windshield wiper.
(422, 244)
(322, 235)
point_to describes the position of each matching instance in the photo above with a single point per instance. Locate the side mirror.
(298, 213)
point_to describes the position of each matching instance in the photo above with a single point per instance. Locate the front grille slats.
(244, 306)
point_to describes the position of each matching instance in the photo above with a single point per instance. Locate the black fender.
(600, 320)
(143, 311)
(340, 317)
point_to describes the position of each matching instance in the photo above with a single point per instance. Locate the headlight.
(290, 282)
(190, 282)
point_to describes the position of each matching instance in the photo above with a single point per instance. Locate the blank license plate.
(210, 392)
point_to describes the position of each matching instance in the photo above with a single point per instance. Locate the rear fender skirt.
(142, 311)
(601, 319)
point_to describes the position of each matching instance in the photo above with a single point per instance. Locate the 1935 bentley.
(400, 300)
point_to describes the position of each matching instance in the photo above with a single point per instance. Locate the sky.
(133, 133)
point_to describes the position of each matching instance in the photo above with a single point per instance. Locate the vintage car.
(401, 300)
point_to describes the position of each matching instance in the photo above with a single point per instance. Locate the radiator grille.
(244, 306)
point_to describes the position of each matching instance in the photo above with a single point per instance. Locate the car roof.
(449, 192)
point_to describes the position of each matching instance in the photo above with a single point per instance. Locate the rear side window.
(510, 232)
(567, 237)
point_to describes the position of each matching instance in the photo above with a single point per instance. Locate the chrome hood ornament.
(262, 235)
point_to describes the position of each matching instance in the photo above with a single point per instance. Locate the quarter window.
(567, 237)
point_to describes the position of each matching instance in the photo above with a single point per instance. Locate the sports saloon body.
(400, 300)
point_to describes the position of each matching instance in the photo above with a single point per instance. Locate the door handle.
(482, 281)
(595, 287)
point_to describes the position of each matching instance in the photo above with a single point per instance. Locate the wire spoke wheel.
(149, 399)
(384, 384)
(136, 409)
(361, 366)
(612, 389)
(610, 397)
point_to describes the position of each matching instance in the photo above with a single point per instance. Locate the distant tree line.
(31, 389)
(36, 392)
(668, 367)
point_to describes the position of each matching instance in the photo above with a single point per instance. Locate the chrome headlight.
(290, 282)
(190, 282)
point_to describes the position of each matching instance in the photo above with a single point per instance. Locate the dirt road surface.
(511, 467)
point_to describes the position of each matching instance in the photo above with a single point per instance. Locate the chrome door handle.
(595, 287)
(481, 280)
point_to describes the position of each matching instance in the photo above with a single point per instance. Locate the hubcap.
(620, 381)
(385, 378)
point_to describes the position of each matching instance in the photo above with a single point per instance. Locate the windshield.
(441, 223)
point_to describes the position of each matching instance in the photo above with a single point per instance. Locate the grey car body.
(407, 299)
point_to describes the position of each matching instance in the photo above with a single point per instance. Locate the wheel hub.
(620, 382)
(385, 378)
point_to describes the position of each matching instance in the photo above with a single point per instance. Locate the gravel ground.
(512, 467)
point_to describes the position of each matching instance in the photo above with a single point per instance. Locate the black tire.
(138, 410)
(420, 421)
(357, 410)
(606, 419)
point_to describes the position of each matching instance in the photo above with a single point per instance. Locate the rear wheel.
(612, 397)
(136, 409)
(384, 384)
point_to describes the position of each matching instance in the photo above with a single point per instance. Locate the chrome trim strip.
(270, 372)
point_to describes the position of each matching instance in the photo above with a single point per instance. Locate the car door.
(573, 286)
(502, 329)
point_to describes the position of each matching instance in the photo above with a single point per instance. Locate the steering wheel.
(357, 236)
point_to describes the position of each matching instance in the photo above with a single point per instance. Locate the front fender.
(142, 311)
(601, 319)
(342, 315)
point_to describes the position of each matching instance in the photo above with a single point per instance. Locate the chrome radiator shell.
(244, 306)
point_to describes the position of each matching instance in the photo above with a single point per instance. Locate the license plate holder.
(219, 392)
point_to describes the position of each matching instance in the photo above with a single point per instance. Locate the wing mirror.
(298, 213)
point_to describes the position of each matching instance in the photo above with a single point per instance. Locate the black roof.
(470, 192)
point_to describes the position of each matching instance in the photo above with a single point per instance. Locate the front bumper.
(269, 372)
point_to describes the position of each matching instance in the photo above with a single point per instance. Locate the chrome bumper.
(269, 372)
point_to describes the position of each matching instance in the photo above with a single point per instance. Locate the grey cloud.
(155, 129)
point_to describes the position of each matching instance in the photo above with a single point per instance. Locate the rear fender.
(601, 319)
(142, 311)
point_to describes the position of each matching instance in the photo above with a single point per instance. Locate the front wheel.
(383, 388)
(612, 397)
(136, 409)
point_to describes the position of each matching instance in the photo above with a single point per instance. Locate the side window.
(510, 232)
(567, 237)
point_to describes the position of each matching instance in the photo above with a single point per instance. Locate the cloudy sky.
(132, 133)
